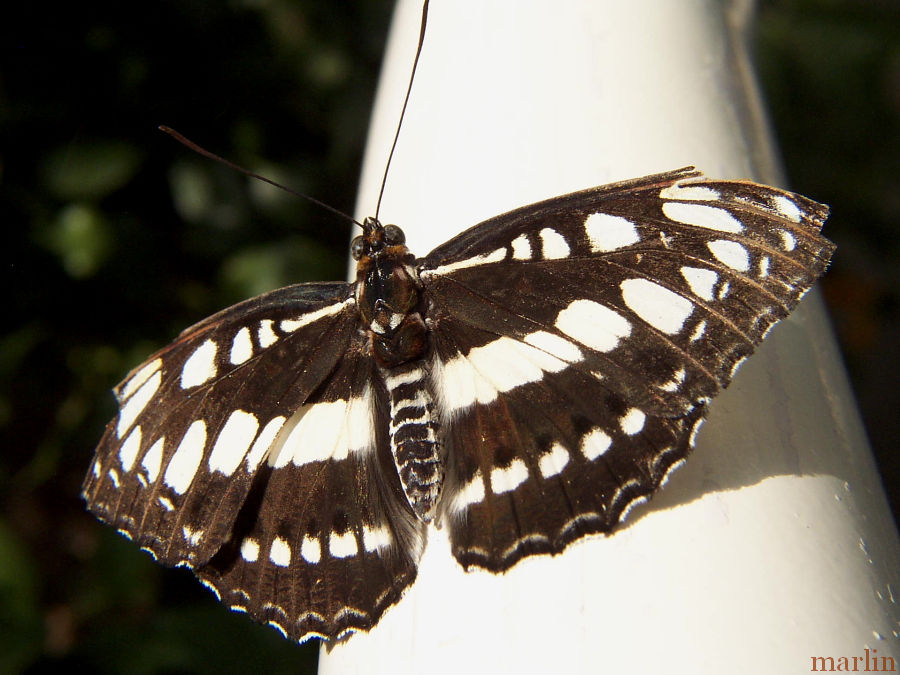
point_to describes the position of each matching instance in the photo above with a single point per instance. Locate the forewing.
(578, 340)
(663, 284)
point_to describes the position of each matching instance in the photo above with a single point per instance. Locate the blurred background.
(116, 237)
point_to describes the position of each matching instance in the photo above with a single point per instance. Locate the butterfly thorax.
(388, 295)
(389, 298)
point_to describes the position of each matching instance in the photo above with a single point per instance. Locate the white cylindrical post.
(774, 545)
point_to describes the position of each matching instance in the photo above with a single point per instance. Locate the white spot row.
(340, 545)
(504, 479)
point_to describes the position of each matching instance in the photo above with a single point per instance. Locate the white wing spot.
(723, 290)
(632, 421)
(698, 331)
(688, 192)
(484, 259)
(676, 381)
(200, 366)
(192, 537)
(764, 267)
(521, 248)
(137, 402)
(470, 493)
(139, 378)
(184, 463)
(153, 460)
(376, 538)
(663, 309)
(250, 550)
(328, 430)
(130, 448)
(595, 443)
(233, 441)
(593, 325)
(508, 363)
(702, 215)
(342, 545)
(263, 443)
(787, 208)
(461, 384)
(500, 366)
(504, 479)
(290, 325)
(266, 335)
(241, 347)
(554, 345)
(280, 552)
(608, 233)
(788, 242)
(700, 280)
(553, 244)
(730, 254)
(114, 477)
(553, 462)
(167, 504)
(311, 549)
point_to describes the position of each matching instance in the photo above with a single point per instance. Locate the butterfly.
(523, 385)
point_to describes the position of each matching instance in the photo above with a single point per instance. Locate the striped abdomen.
(413, 434)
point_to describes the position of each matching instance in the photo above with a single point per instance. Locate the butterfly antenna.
(210, 155)
(405, 102)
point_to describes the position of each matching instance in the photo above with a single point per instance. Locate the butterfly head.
(378, 240)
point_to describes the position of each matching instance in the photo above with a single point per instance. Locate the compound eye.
(357, 248)
(393, 235)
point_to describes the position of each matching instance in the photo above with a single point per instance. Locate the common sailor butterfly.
(523, 385)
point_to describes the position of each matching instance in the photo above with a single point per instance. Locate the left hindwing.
(577, 340)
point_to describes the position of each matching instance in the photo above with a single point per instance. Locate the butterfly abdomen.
(414, 433)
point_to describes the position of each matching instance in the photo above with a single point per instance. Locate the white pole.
(774, 544)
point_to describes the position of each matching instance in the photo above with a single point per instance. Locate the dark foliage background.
(115, 238)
